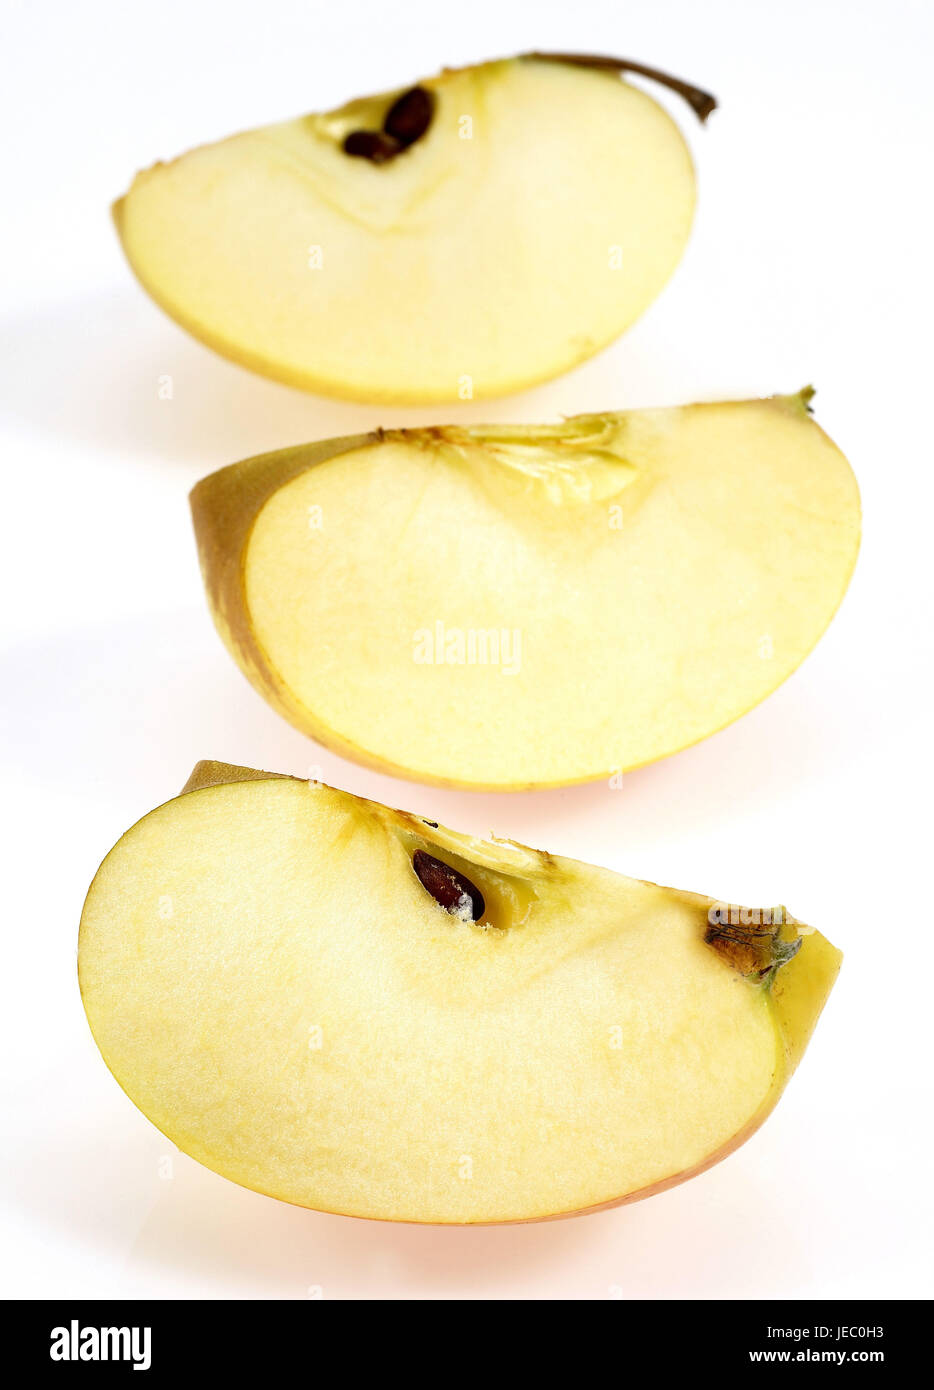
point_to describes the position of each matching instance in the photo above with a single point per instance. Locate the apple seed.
(450, 890)
(410, 116)
(373, 145)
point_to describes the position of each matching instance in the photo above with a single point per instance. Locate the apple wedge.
(507, 607)
(484, 230)
(357, 1010)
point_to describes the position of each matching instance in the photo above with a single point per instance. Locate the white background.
(809, 261)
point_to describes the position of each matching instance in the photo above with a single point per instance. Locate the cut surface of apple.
(356, 1010)
(522, 215)
(508, 607)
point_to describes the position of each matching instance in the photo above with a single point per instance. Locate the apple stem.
(700, 102)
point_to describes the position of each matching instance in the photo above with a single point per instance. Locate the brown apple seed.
(373, 145)
(450, 889)
(410, 116)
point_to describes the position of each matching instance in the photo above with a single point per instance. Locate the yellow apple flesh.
(507, 607)
(271, 983)
(540, 212)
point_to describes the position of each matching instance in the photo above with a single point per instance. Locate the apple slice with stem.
(509, 606)
(357, 1010)
(471, 235)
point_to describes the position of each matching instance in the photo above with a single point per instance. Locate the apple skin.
(796, 996)
(225, 506)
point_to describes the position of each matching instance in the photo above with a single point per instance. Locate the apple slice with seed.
(512, 606)
(273, 972)
(467, 236)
